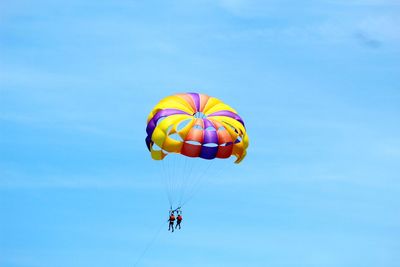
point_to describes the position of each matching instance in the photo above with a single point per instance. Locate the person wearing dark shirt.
(178, 221)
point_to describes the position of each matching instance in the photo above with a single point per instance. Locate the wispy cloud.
(366, 40)
(14, 179)
(383, 27)
(329, 21)
(366, 2)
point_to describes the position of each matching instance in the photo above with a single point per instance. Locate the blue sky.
(317, 83)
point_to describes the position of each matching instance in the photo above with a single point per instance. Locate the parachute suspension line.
(216, 174)
(193, 165)
(168, 180)
(172, 164)
(191, 182)
(183, 180)
(168, 168)
(197, 182)
(173, 177)
(202, 172)
(185, 183)
(187, 178)
(179, 176)
(170, 177)
(149, 244)
(165, 180)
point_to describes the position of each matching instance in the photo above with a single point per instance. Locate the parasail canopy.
(195, 125)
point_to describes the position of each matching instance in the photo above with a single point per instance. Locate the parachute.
(186, 129)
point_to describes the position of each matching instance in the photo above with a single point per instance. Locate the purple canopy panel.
(229, 114)
(153, 122)
(148, 142)
(208, 152)
(210, 137)
(196, 99)
(162, 113)
(207, 124)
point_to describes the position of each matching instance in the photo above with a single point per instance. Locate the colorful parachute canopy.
(195, 125)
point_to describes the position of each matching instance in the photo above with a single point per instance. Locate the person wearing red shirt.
(171, 222)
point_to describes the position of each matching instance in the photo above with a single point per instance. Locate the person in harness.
(178, 221)
(171, 221)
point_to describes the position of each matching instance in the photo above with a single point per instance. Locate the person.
(178, 221)
(171, 222)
